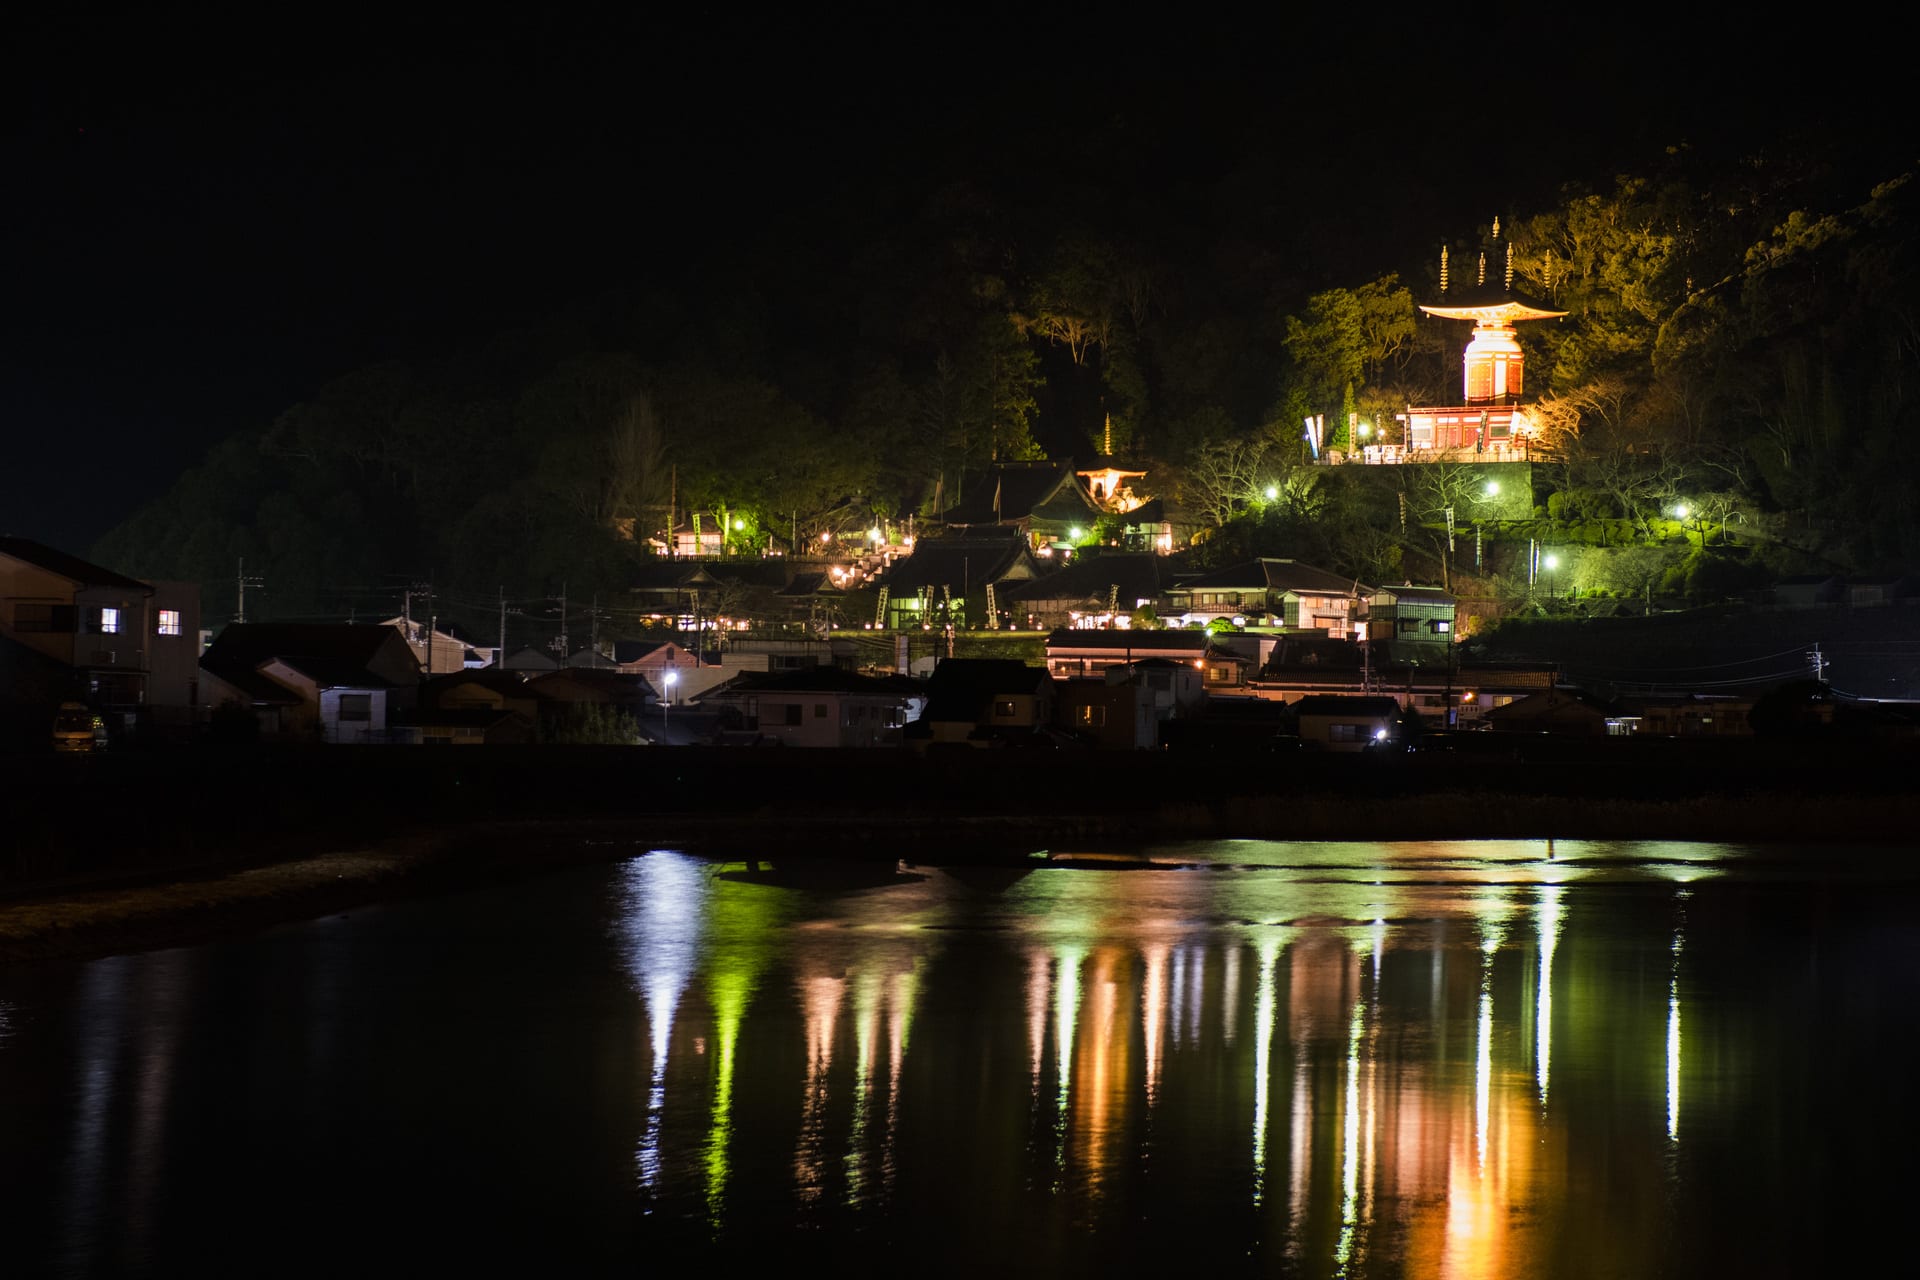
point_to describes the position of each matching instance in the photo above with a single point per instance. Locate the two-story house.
(1272, 592)
(129, 647)
(327, 682)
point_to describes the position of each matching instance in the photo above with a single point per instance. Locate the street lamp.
(1273, 493)
(672, 679)
(1550, 564)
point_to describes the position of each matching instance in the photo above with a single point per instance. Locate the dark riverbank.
(124, 853)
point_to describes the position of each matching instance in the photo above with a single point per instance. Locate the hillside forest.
(1726, 401)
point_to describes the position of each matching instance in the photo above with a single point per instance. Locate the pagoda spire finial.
(1547, 272)
(1496, 226)
(1482, 280)
(1106, 440)
(1509, 266)
(1443, 269)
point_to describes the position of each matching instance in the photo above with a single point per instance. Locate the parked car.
(77, 728)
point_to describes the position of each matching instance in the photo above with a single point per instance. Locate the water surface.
(1485, 1058)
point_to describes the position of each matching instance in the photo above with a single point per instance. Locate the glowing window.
(1092, 717)
(109, 621)
(169, 622)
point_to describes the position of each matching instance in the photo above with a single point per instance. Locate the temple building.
(1490, 423)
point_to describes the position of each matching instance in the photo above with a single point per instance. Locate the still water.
(1485, 1059)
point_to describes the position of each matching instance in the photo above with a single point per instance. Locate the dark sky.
(202, 225)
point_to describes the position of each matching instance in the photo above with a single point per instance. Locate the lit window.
(1092, 717)
(169, 622)
(109, 621)
(1003, 709)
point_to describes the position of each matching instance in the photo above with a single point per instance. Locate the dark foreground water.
(1491, 1059)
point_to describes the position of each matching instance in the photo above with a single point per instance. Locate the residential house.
(959, 580)
(129, 646)
(441, 647)
(982, 702)
(1096, 587)
(314, 681)
(1271, 591)
(1692, 715)
(1072, 652)
(529, 660)
(1346, 723)
(1110, 714)
(1564, 711)
(819, 706)
(1445, 697)
(1127, 704)
(1412, 624)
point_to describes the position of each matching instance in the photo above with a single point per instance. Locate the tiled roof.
(1021, 488)
(1275, 575)
(1092, 577)
(963, 562)
(245, 645)
(1144, 643)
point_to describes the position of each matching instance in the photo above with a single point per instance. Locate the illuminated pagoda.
(1491, 419)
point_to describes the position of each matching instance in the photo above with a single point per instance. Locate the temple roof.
(1491, 304)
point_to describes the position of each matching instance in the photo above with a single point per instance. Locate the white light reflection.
(1153, 995)
(1263, 1013)
(1548, 915)
(1483, 1059)
(1673, 1024)
(664, 900)
(1350, 1145)
(1066, 1013)
(1038, 967)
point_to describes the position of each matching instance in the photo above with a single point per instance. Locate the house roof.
(961, 562)
(1410, 594)
(73, 568)
(529, 659)
(588, 684)
(1092, 577)
(1274, 574)
(1550, 704)
(1016, 491)
(823, 679)
(662, 573)
(313, 648)
(626, 652)
(258, 688)
(335, 673)
(1144, 643)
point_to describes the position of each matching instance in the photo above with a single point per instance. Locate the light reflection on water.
(1447, 1058)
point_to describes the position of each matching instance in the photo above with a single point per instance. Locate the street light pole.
(666, 713)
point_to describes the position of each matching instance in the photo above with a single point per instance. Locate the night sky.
(203, 225)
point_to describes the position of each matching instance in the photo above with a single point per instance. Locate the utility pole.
(240, 614)
(1819, 663)
(500, 654)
